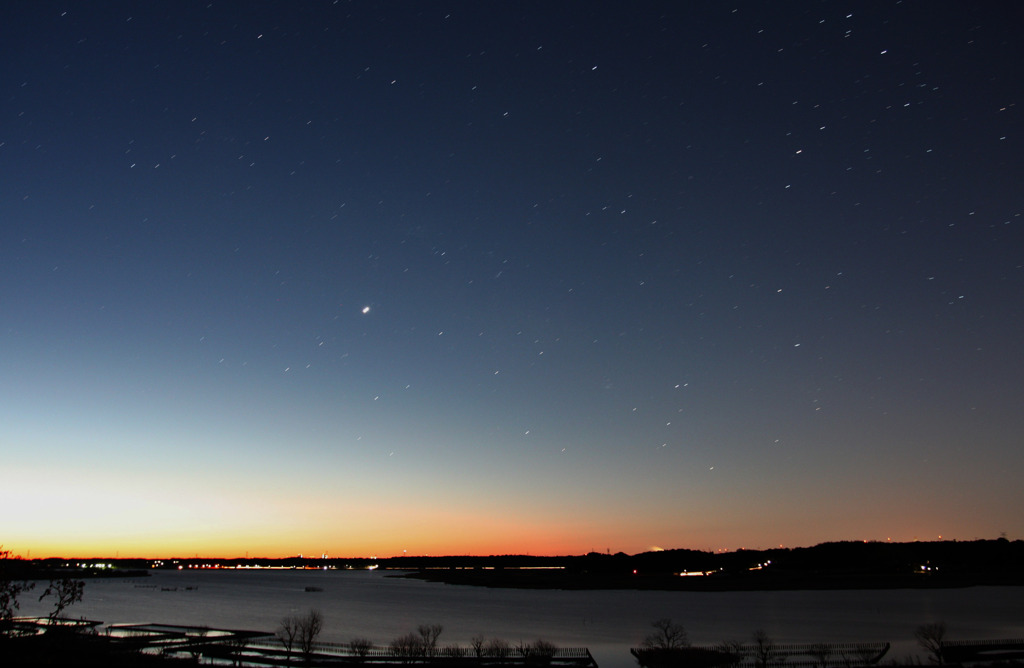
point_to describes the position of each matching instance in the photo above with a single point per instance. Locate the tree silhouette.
(310, 625)
(360, 648)
(733, 651)
(667, 635)
(237, 644)
(9, 590)
(429, 634)
(764, 648)
(195, 648)
(498, 648)
(288, 631)
(406, 647)
(929, 637)
(67, 591)
(541, 652)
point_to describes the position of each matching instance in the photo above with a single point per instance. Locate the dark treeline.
(826, 566)
(846, 564)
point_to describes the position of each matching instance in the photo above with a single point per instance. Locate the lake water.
(369, 604)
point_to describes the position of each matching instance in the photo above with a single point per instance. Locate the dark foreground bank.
(83, 650)
(76, 650)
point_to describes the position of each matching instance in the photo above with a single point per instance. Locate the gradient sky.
(491, 277)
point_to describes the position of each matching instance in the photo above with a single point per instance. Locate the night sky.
(491, 277)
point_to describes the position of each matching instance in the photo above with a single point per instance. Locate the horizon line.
(326, 557)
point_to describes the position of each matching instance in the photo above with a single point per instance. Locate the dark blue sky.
(494, 277)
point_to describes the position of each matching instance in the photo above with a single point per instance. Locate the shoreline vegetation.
(840, 565)
(36, 642)
(83, 643)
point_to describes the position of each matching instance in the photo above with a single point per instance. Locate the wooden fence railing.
(254, 648)
(968, 651)
(448, 655)
(791, 655)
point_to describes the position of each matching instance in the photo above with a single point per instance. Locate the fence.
(968, 651)
(451, 655)
(254, 648)
(769, 655)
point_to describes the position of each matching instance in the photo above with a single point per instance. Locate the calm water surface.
(369, 604)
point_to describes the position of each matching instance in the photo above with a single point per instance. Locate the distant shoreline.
(540, 579)
(839, 565)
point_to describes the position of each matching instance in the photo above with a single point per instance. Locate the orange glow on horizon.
(142, 515)
(548, 543)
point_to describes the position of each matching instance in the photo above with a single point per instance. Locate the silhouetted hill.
(839, 565)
